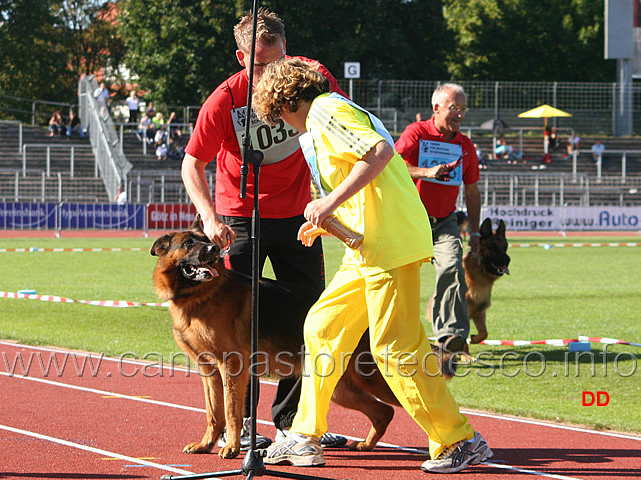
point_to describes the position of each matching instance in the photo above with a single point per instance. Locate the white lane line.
(200, 410)
(529, 472)
(268, 382)
(550, 425)
(98, 451)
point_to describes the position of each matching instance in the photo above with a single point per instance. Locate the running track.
(130, 420)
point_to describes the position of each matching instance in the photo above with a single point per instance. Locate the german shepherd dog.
(212, 309)
(481, 271)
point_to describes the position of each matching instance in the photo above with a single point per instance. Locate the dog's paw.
(228, 452)
(478, 338)
(197, 447)
(361, 446)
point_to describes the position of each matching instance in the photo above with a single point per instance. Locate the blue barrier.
(32, 216)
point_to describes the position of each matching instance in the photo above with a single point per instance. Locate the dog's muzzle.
(202, 271)
(497, 266)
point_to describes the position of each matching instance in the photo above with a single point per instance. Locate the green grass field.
(552, 293)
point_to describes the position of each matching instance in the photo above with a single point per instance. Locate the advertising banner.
(601, 218)
(102, 215)
(170, 216)
(28, 216)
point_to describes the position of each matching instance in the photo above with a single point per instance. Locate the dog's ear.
(501, 228)
(160, 246)
(486, 228)
(196, 224)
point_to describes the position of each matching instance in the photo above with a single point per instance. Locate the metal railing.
(19, 125)
(599, 162)
(48, 147)
(112, 163)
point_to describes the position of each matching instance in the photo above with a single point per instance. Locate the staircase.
(52, 177)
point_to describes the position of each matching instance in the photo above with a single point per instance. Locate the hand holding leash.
(448, 167)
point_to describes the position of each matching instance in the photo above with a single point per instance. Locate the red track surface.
(130, 421)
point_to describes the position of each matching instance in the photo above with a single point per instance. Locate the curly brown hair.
(269, 29)
(289, 81)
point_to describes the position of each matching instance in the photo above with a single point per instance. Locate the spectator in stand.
(101, 94)
(573, 144)
(173, 127)
(554, 142)
(74, 125)
(503, 150)
(597, 151)
(56, 125)
(134, 107)
(158, 120)
(481, 157)
(121, 196)
(147, 129)
(161, 139)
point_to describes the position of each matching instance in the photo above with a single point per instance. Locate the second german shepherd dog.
(481, 271)
(212, 309)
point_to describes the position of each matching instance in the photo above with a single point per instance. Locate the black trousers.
(292, 262)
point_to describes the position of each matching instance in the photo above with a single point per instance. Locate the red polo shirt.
(439, 199)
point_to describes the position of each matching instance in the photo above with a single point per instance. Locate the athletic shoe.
(454, 344)
(327, 440)
(459, 456)
(245, 438)
(297, 450)
(332, 440)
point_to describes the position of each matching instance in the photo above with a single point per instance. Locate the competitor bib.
(277, 142)
(432, 153)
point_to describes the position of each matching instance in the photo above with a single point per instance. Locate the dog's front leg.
(236, 376)
(214, 405)
(481, 328)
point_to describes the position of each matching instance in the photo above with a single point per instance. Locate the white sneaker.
(245, 438)
(297, 450)
(459, 456)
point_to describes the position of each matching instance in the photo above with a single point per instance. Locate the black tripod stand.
(253, 465)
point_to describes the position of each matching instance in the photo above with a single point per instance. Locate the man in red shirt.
(284, 188)
(427, 147)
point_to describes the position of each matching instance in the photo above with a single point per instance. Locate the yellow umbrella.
(545, 112)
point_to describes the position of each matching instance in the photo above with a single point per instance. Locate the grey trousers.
(449, 311)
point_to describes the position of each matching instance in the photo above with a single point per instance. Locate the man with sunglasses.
(432, 150)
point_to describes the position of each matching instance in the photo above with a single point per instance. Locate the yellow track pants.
(388, 303)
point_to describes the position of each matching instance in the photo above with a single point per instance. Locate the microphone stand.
(253, 465)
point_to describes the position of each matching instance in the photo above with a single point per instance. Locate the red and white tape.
(36, 249)
(518, 343)
(609, 341)
(96, 303)
(554, 342)
(572, 245)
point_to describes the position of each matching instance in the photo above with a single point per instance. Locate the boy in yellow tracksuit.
(365, 183)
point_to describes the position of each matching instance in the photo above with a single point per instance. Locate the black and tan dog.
(481, 271)
(211, 310)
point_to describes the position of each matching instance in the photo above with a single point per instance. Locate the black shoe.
(245, 438)
(453, 344)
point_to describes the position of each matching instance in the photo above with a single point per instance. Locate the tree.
(392, 39)
(528, 40)
(34, 63)
(48, 44)
(90, 34)
(179, 49)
